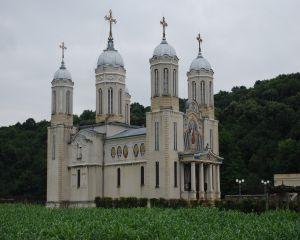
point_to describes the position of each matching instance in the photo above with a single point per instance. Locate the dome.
(110, 57)
(200, 63)
(164, 49)
(62, 73)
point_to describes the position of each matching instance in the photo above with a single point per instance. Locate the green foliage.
(86, 118)
(37, 222)
(129, 202)
(138, 114)
(259, 132)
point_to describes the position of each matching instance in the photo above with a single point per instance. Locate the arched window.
(156, 83)
(118, 177)
(166, 81)
(210, 94)
(202, 90)
(194, 90)
(68, 102)
(78, 178)
(142, 176)
(53, 102)
(120, 101)
(174, 83)
(100, 100)
(110, 101)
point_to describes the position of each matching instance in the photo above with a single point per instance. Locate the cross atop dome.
(199, 39)
(63, 48)
(164, 25)
(111, 20)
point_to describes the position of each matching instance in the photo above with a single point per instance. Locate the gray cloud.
(243, 40)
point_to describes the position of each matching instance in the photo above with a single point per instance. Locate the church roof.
(164, 49)
(129, 133)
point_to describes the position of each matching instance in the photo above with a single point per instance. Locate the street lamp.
(265, 183)
(240, 181)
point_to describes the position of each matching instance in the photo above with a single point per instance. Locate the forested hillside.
(259, 135)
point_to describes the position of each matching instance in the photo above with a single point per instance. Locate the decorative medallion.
(135, 150)
(142, 149)
(113, 152)
(119, 151)
(125, 151)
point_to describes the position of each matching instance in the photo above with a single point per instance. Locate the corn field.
(19, 221)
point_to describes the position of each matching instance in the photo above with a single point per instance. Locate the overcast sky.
(244, 40)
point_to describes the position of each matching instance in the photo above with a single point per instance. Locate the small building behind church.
(176, 156)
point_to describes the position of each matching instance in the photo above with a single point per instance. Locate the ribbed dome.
(200, 63)
(164, 49)
(110, 58)
(62, 73)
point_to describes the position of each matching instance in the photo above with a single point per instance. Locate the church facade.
(176, 156)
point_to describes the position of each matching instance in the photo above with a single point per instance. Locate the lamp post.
(265, 183)
(240, 181)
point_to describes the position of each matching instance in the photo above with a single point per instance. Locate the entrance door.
(197, 168)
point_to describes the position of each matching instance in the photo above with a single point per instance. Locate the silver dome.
(164, 49)
(62, 73)
(200, 63)
(110, 57)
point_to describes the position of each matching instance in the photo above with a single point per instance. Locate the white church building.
(176, 156)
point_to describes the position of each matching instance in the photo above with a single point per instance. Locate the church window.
(175, 135)
(120, 101)
(156, 83)
(202, 90)
(53, 102)
(211, 139)
(194, 90)
(156, 174)
(100, 100)
(210, 94)
(166, 81)
(53, 147)
(118, 177)
(187, 177)
(175, 174)
(78, 178)
(142, 176)
(156, 136)
(110, 101)
(68, 102)
(174, 83)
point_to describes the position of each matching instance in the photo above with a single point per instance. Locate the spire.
(164, 25)
(199, 39)
(63, 48)
(111, 20)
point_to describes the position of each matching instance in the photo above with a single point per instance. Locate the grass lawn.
(19, 221)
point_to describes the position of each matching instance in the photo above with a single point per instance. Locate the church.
(176, 156)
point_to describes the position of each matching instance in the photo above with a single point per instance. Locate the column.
(193, 181)
(201, 181)
(218, 181)
(210, 182)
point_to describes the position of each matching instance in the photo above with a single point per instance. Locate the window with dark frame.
(175, 174)
(118, 177)
(156, 174)
(78, 178)
(142, 176)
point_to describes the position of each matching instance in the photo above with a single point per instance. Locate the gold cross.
(199, 39)
(164, 25)
(111, 20)
(63, 48)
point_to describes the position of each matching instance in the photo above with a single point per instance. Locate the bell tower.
(164, 75)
